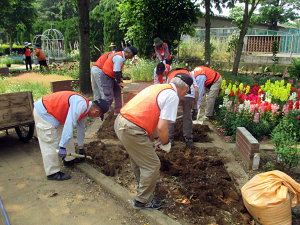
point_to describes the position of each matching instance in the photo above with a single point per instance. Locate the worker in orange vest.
(97, 72)
(210, 80)
(40, 56)
(55, 117)
(112, 80)
(187, 104)
(162, 51)
(161, 72)
(149, 112)
(27, 54)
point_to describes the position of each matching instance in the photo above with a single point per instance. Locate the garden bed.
(193, 183)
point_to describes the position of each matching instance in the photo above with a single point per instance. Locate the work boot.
(74, 161)
(188, 141)
(59, 176)
(137, 186)
(154, 204)
(172, 142)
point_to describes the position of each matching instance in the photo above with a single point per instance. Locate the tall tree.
(84, 46)
(145, 20)
(21, 16)
(243, 30)
(49, 10)
(208, 13)
(278, 11)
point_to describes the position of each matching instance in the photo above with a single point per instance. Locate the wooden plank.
(16, 109)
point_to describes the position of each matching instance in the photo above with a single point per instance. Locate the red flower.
(297, 105)
(293, 89)
(265, 108)
(232, 94)
(270, 107)
(298, 117)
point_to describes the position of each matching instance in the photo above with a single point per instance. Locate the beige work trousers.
(49, 138)
(144, 160)
(211, 97)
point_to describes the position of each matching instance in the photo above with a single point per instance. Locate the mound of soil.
(193, 183)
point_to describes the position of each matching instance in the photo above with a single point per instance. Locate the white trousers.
(49, 138)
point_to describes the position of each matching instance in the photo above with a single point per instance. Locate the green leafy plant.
(7, 61)
(270, 166)
(277, 69)
(294, 70)
(285, 141)
(275, 50)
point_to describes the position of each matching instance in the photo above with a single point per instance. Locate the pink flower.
(256, 117)
(291, 81)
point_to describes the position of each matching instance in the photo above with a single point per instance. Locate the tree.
(84, 46)
(20, 17)
(278, 11)
(49, 10)
(243, 30)
(145, 20)
(208, 13)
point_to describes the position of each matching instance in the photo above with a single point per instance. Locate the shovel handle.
(76, 155)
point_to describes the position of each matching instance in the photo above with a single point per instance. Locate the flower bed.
(259, 108)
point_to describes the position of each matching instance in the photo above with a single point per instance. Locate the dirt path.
(29, 198)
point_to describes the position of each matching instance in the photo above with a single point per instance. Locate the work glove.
(195, 112)
(62, 152)
(121, 84)
(166, 147)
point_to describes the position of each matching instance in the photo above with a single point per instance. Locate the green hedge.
(4, 49)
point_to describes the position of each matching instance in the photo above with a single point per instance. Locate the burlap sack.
(267, 197)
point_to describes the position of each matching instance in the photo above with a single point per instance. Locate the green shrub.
(284, 138)
(294, 70)
(18, 61)
(7, 61)
(73, 56)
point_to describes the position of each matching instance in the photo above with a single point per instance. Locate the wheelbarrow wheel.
(25, 133)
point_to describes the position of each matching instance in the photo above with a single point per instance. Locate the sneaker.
(137, 185)
(59, 176)
(188, 141)
(172, 142)
(154, 204)
(74, 161)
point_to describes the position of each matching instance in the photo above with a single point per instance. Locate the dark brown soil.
(193, 183)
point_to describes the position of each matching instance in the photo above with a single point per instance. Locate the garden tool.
(76, 155)
(198, 121)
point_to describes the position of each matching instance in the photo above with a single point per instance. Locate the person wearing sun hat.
(27, 53)
(40, 55)
(112, 79)
(162, 51)
(161, 72)
(149, 112)
(56, 116)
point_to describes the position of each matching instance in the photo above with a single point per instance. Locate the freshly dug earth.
(193, 183)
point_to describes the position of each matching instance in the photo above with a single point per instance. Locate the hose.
(4, 213)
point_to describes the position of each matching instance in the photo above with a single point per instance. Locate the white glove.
(164, 61)
(165, 147)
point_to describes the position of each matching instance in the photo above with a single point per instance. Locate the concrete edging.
(121, 193)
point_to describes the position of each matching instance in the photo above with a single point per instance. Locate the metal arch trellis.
(52, 44)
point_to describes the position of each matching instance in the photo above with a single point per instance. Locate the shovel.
(198, 121)
(77, 155)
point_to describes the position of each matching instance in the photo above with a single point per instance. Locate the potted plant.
(7, 61)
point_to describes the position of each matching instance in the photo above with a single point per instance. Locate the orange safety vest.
(108, 66)
(176, 71)
(160, 77)
(212, 76)
(57, 104)
(102, 59)
(162, 52)
(143, 109)
(27, 52)
(40, 54)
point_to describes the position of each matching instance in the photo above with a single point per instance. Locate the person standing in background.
(27, 53)
(40, 56)
(162, 51)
